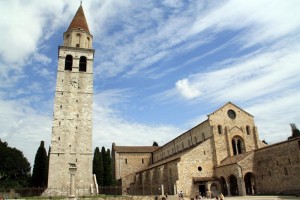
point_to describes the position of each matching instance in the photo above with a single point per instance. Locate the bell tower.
(71, 140)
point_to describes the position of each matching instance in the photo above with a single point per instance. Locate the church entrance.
(202, 190)
(233, 186)
(249, 183)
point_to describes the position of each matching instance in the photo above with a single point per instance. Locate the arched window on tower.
(78, 40)
(69, 62)
(88, 42)
(82, 64)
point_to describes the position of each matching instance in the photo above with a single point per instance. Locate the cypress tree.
(108, 180)
(155, 143)
(98, 166)
(40, 168)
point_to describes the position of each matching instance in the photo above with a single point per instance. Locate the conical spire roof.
(79, 21)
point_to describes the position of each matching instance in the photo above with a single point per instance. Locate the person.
(166, 195)
(200, 195)
(221, 196)
(180, 195)
(208, 194)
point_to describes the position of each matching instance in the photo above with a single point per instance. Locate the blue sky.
(160, 66)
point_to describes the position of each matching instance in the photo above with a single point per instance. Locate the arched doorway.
(249, 183)
(223, 186)
(233, 185)
(214, 189)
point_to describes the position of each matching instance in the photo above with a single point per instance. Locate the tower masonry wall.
(78, 38)
(71, 140)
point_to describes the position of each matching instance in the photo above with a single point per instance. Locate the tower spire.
(79, 21)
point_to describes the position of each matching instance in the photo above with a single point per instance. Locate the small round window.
(231, 114)
(200, 169)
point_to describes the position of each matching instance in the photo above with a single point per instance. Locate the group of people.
(209, 196)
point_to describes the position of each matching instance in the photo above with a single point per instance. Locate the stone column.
(72, 182)
(236, 147)
(241, 187)
(228, 188)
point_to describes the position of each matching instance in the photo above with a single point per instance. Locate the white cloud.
(250, 77)
(188, 91)
(264, 20)
(273, 115)
(110, 126)
(23, 127)
(41, 58)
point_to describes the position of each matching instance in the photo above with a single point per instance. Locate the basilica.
(222, 154)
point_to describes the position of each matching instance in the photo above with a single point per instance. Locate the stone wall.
(226, 128)
(277, 168)
(129, 163)
(183, 142)
(196, 163)
(71, 139)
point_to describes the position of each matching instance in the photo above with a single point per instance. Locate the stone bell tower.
(71, 140)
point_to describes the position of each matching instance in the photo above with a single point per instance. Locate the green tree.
(98, 166)
(40, 167)
(107, 167)
(14, 167)
(155, 144)
(107, 164)
(295, 131)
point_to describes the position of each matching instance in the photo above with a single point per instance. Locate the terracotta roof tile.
(204, 179)
(234, 159)
(79, 21)
(135, 149)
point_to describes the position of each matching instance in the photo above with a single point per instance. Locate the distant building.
(71, 140)
(221, 154)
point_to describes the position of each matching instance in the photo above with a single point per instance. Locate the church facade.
(223, 154)
(70, 163)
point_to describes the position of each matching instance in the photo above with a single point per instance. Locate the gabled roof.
(79, 21)
(234, 159)
(135, 149)
(231, 104)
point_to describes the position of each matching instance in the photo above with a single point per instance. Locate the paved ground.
(251, 197)
(262, 197)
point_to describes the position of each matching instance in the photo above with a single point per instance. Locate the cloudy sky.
(160, 66)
